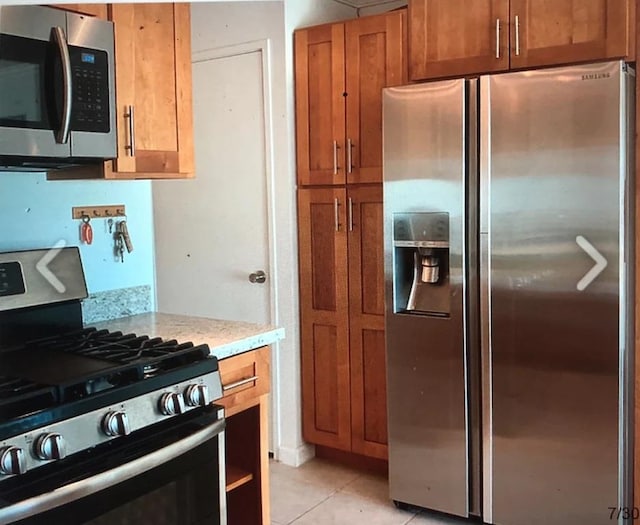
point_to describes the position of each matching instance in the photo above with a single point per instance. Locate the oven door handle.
(104, 480)
(62, 135)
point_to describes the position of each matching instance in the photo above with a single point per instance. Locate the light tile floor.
(323, 493)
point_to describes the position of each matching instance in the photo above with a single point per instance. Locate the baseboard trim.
(294, 457)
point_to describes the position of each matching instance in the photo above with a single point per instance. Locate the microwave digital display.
(88, 58)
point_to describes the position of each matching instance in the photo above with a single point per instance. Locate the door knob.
(258, 277)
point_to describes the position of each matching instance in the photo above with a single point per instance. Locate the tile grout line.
(335, 491)
(311, 508)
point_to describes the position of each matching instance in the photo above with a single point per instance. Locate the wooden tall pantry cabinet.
(341, 70)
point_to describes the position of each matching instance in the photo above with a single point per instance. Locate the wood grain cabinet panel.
(366, 323)
(552, 32)
(340, 72)
(153, 65)
(320, 110)
(342, 318)
(456, 37)
(322, 224)
(375, 59)
(246, 379)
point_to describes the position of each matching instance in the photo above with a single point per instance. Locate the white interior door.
(213, 232)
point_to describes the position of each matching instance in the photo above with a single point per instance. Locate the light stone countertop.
(225, 338)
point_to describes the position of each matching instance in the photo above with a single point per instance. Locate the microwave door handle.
(62, 134)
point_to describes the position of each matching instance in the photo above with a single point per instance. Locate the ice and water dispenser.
(421, 263)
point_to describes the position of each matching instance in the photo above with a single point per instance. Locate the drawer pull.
(239, 383)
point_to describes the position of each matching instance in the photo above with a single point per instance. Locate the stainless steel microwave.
(57, 94)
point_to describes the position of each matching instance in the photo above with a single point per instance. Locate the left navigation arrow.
(43, 267)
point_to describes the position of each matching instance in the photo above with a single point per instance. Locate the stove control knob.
(50, 446)
(12, 461)
(116, 424)
(171, 404)
(197, 395)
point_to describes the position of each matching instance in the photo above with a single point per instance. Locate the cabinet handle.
(497, 38)
(349, 155)
(245, 381)
(132, 133)
(336, 203)
(350, 214)
(335, 157)
(517, 22)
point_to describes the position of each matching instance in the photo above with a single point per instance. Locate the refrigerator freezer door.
(552, 229)
(425, 168)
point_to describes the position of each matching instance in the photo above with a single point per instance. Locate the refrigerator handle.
(486, 375)
(485, 299)
(497, 38)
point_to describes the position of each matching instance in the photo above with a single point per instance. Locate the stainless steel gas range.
(100, 427)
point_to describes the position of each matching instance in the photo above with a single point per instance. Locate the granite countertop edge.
(225, 338)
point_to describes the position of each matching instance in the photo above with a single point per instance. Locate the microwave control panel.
(90, 72)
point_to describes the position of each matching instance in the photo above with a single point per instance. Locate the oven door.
(170, 474)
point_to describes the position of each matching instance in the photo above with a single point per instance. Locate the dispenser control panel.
(421, 230)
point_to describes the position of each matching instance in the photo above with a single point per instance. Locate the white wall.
(222, 24)
(219, 25)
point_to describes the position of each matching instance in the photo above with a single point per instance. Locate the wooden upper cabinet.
(320, 108)
(340, 72)
(324, 317)
(375, 59)
(457, 37)
(153, 90)
(547, 32)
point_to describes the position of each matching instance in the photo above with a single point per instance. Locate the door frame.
(263, 46)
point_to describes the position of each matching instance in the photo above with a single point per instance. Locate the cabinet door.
(324, 313)
(548, 32)
(457, 37)
(366, 318)
(320, 105)
(153, 65)
(375, 58)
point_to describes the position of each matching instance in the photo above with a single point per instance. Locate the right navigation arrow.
(601, 263)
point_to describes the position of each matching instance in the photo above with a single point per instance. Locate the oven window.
(27, 69)
(183, 491)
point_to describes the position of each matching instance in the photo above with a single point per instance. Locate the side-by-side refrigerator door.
(553, 293)
(427, 209)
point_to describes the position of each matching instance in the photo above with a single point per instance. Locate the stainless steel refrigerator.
(508, 267)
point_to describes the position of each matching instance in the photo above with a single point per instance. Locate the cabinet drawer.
(245, 377)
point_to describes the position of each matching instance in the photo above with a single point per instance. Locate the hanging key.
(119, 245)
(110, 224)
(124, 230)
